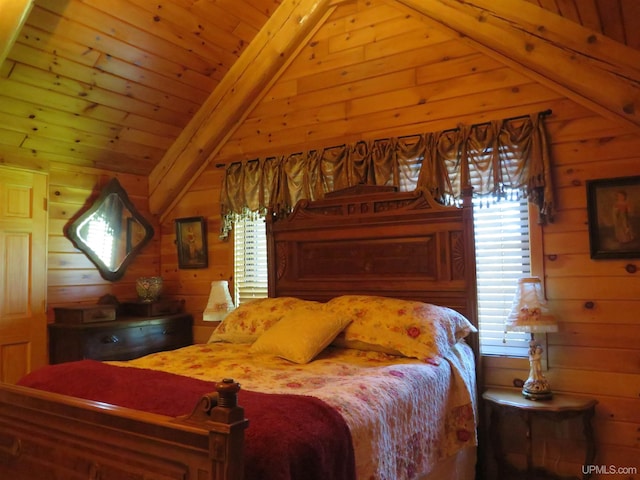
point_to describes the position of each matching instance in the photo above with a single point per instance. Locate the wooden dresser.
(125, 338)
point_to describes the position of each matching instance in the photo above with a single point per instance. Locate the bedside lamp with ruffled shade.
(529, 313)
(220, 303)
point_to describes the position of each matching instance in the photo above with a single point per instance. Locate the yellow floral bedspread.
(404, 415)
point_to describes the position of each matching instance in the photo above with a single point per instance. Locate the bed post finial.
(227, 409)
(219, 406)
(227, 393)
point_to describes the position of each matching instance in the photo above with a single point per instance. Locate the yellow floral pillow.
(250, 320)
(301, 334)
(414, 329)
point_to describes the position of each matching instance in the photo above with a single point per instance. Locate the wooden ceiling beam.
(253, 73)
(587, 67)
(13, 14)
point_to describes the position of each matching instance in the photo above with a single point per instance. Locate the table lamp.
(220, 303)
(529, 313)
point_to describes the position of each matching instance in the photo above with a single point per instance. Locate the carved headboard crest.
(362, 205)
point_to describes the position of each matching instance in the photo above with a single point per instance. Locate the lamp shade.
(529, 312)
(220, 303)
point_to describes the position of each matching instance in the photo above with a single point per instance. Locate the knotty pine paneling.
(112, 85)
(87, 19)
(576, 175)
(434, 86)
(607, 148)
(573, 263)
(613, 18)
(194, 285)
(622, 287)
(578, 334)
(431, 68)
(66, 77)
(624, 358)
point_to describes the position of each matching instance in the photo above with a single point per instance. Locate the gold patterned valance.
(493, 157)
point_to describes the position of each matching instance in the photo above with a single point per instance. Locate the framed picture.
(191, 240)
(613, 208)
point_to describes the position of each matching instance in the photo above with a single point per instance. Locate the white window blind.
(502, 256)
(250, 260)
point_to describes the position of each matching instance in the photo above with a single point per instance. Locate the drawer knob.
(110, 339)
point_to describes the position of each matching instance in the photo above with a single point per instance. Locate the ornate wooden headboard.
(373, 241)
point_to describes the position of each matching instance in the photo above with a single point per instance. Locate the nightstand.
(505, 402)
(121, 339)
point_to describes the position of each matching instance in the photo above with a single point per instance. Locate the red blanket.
(290, 437)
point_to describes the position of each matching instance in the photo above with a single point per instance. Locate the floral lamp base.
(537, 386)
(537, 389)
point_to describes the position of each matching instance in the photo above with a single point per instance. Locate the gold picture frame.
(191, 241)
(613, 208)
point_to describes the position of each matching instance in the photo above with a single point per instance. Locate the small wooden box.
(153, 309)
(85, 314)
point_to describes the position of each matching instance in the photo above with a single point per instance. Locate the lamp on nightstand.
(529, 313)
(220, 303)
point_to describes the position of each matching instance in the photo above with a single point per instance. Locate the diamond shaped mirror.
(111, 232)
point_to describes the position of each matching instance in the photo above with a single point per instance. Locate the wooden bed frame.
(362, 240)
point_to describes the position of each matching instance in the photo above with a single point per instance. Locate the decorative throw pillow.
(250, 320)
(415, 329)
(301, 334)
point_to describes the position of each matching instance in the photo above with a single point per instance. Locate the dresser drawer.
(119, 340)
(130, 342)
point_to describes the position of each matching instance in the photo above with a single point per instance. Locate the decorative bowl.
(149, 288)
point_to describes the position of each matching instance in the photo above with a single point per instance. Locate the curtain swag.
(494, 157)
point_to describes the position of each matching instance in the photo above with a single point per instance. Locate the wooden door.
(23, 272)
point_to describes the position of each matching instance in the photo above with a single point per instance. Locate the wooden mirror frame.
(125, 242)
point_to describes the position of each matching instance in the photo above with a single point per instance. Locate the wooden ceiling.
(125, 85)
(112, 84)
(616, 19)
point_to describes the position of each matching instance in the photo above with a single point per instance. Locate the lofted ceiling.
(616, 19)
(126, 85)
(112, 84)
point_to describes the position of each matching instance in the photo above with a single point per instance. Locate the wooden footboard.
(46, 435)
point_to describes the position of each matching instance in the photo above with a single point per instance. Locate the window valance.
(509, 154)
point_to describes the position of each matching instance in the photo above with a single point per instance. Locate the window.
(250, 260)
(503, 255)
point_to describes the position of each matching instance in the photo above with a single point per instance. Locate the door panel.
(23, 254)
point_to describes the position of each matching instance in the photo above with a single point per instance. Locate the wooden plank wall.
(72, 277)
(193, 285)
(374, 70)
(595, 353)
